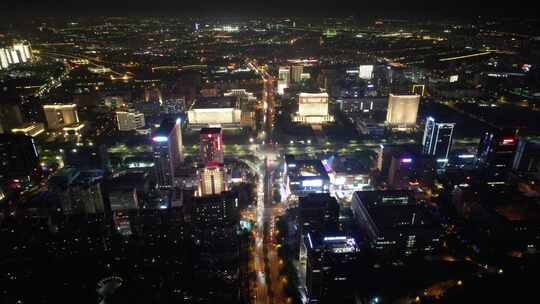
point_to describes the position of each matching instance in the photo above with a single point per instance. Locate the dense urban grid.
(269, 160)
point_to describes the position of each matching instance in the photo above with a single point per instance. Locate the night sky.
(448, 8)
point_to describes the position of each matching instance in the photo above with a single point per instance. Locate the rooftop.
(215, 102)
(210, 130)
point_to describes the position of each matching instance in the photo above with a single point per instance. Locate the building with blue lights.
(167, 146)
(437, 139)
(304, 176)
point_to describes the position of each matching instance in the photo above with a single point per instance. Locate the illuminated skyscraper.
(129, 120)
(60, 115)
(211, 145)
(17, 53)
(402, 110)
(4, 61)
(168, 151)
(212, 179)
(437, 138)
(497, 149)
(284, 79)
(527, 157)
(296, 73)
(365, 72)
(313, 108)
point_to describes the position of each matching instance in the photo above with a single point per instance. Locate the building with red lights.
(211, 145)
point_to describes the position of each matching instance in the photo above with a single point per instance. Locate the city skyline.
(299, 154)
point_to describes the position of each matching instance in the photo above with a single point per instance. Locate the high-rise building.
(4, 61)
(402, 110)
(23, 51)
(527, 158)
(130, 120)
(17, 53)
(214, 210)
(78, 192)
(211, 145)
(328, 266)
(284, 79)
(304, 176)
(32, 129)
(168, 154)
(10, 117)
(296, 73)
(365, 72)
(411, 170)
(153, 94)
(386, 152)
(18, 156)
(60, 115)
(317, 212)
(313, 108)
(404, 166)
(395, 223)
(212, 179)
(497, 149)
(221, 111)
(437, 138)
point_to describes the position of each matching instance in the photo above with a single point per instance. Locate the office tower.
(313, 108)
(437, 138)
(212, 179)
(214, 210)
(329, 267)
(18, 156)
(167, 144)
(10, 116)
(402, 110)
(284, 79)
(174, 106)
(497, 149)
(386, 152)
(78, 192)
(22, 52)
(127, 189)
(4, 61)
(395, 223)
(221, 111)
(317, 212)
(129, 120)
(32, 129)
(527, 158)
(365, 72)
(296, 73)
(248, 106)
(60, 115)
(404, 166)
(153, 95)
(304, 176)
(211, 145)
(411, 170)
